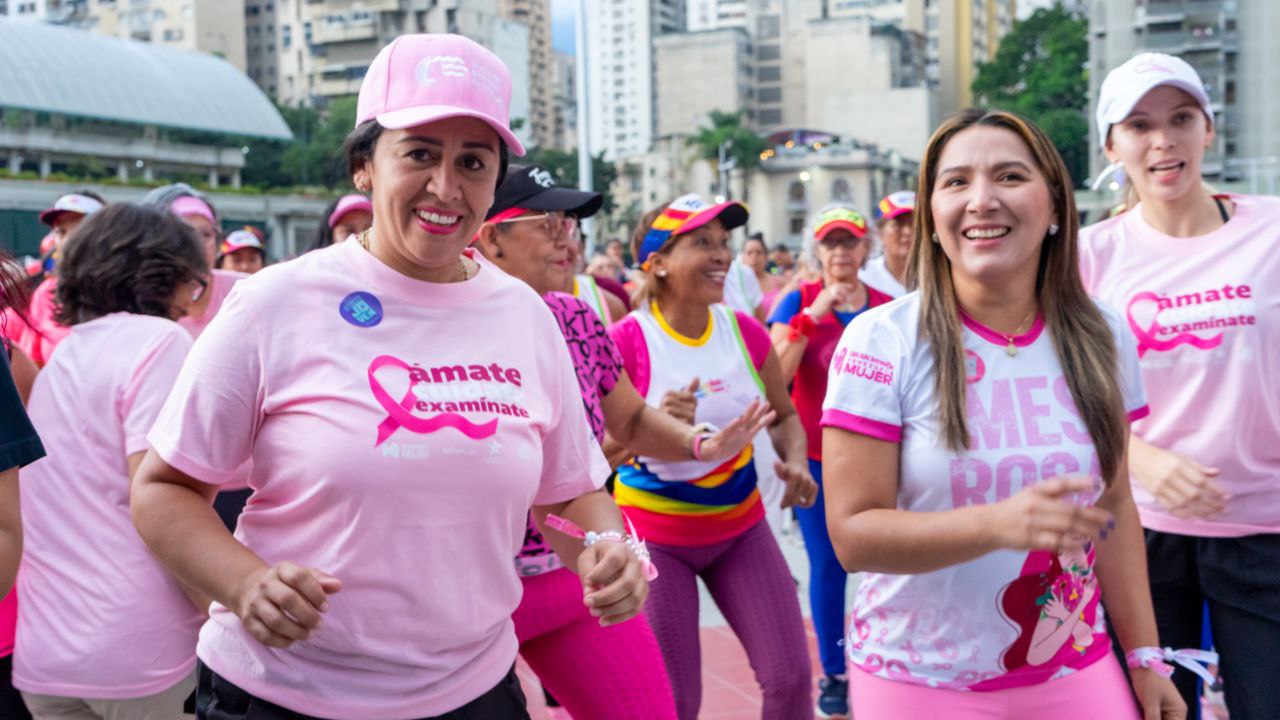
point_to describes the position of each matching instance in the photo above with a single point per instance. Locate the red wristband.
(802, 325)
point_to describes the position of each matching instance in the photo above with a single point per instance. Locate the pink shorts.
(1099, 692)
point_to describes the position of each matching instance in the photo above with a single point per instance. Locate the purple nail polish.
(1111, 523)
(1102, 535)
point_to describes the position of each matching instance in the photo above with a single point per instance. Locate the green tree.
(1040, 73)
(744, 146)
(564, 167)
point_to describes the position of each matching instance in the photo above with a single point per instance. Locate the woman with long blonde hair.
(974, 453)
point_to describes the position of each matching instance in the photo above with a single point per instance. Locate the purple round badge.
(361, 309)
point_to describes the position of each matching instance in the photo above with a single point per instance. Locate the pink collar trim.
(995, 338)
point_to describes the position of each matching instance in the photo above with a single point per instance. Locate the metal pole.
(584, 131)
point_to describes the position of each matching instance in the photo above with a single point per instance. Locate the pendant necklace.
(1011, 349)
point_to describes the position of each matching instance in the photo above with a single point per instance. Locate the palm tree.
(727, 136)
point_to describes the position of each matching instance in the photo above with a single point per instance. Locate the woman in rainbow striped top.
(705, 364)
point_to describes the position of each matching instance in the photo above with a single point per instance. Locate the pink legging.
(752, 586)
(1098, 691)
(596, 673)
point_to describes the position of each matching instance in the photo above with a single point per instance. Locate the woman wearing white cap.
(1197, 275)
(887, 272)
(395, 431)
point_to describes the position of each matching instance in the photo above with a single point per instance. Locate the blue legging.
(826, 580)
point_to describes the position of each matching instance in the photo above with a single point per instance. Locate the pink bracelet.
(1158, 660)
(697, 446)
(634, 544)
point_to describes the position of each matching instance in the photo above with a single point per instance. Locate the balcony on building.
(343, 29)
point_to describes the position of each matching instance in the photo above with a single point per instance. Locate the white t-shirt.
(399, 432)
(876, 274)
(100, 617)
(1205, 312)
(742, 290)
(993, 622)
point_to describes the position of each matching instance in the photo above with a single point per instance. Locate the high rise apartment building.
(1231, 44)
(620, 58)
(536, 15)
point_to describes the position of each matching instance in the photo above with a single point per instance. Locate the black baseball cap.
(533, 187)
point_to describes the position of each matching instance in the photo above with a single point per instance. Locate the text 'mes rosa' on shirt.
(1205, 313)
(100, 617)
(398, 431)
(1009, 618)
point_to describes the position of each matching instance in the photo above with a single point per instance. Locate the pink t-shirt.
(1006, 619)
(45, 332)
(220, 285)
(1206, 315)
(99, 616)
(399, 431)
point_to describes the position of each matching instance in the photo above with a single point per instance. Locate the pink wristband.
(697, 446)
(633, 543)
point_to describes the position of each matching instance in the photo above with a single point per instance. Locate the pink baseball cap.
(192, 206)
(427, 77)
(349, 203)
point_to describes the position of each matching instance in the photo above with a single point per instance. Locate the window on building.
(797, 224)
(840, 190)
(769, 73)
(770, 95)
(770, 117)
(768, 27)
(769, 52)
(795, 192)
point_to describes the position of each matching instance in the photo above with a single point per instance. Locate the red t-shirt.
(810, 385)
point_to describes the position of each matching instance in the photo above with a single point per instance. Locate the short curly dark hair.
(126, 258)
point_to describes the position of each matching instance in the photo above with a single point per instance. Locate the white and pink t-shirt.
(100, 617)
(1007, 619)
(220, 284)
(1205, 312)
(398, 431)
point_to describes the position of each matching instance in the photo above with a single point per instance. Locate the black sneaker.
(834, 699)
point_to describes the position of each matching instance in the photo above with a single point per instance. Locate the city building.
(723, 81)
(621, 89)
(961, 34)
(1232, 45)
(565, 133)
(670, 169)
(804, 173)
(216, 27)
(536, 16)
(717, 14)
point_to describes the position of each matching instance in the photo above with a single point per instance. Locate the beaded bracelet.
(589, 538)
(1158, 660)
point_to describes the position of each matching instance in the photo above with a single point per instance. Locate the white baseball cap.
(1126, 85)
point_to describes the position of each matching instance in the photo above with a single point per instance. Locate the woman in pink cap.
(195, 210)
(887, 272)
(395, 430)
(344, 218)
(704, 517)
(1197, 276)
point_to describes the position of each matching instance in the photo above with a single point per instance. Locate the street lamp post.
(584, 132)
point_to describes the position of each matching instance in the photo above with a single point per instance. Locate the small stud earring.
(1053, 229)
(935, 237)
(662, 273)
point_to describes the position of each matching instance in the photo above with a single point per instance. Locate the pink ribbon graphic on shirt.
(400, 415)
(1147, 339)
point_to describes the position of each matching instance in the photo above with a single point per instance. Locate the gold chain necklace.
(363, 239)
(1011, 349)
